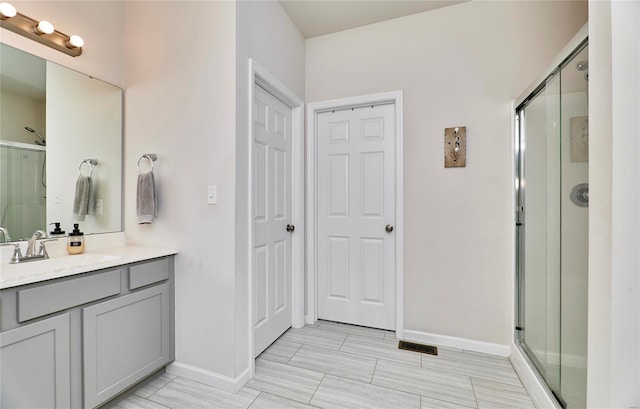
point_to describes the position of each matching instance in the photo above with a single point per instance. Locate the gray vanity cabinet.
(79, 341)
(35, 366)
(124, 340)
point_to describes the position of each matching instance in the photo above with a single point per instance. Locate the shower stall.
(552, 198)
(22, 188)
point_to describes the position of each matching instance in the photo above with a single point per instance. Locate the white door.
(271, 217)
(355, 210)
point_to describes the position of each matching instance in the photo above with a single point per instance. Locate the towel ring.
(151, 157)
(89, 162)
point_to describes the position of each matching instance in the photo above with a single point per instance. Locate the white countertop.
(13, 275)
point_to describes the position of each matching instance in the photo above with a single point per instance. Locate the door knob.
(290, 228)
(388, 228)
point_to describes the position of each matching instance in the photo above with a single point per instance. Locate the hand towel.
(146, 201)
(81, 200)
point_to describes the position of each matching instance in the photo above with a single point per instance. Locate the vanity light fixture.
(44, 27)
(7, 10)
(41, 31)
(75, 41)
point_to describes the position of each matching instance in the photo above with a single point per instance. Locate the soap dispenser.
(57, 232)
(75, 244)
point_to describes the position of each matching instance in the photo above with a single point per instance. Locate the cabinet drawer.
(39, 301)
(148, 273)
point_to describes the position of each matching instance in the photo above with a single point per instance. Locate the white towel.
(146, 201)
(82, 198)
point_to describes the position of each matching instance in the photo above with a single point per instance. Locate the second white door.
(272, 228)
(356, 215)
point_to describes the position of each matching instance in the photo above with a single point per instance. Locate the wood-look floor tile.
(153, 384)
(136, 402)
(342, 393)
(475, 365)
(280, 351)
(315, 337)
(431, 403)
(329, 365)
(354, 329)
(342, 364)
(381, 349)
(269, 401)
(426, 382)
(496, 395)
(285, 380)
(391, 336)
(184, 393)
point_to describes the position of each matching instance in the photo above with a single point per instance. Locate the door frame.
(313, 109)
(260, 76)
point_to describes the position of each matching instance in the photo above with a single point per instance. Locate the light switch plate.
(212, 195)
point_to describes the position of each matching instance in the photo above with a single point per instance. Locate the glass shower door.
(540, 231)
(575, 228)
(552, 229)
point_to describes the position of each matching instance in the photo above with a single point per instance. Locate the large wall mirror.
(51, 120)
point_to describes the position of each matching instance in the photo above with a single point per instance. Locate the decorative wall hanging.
(579, 128)
(455, 147)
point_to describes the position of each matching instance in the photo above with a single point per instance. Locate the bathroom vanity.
(77, 331)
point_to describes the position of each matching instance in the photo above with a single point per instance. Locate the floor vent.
(412, 346)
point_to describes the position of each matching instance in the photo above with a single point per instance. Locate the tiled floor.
(333, 365)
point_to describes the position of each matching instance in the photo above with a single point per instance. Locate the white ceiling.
(318, 17)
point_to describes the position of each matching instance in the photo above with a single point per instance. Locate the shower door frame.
(545, 396)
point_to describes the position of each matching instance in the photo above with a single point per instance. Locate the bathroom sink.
(74, 261)
(41, 268)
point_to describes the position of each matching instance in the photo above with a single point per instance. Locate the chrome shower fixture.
(42, 141)
(583, 66)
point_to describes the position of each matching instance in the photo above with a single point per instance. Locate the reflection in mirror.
(51, 119)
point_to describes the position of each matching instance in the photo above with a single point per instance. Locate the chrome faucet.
(17, 255)
(31, 248)
(5, 235)
(31, 254)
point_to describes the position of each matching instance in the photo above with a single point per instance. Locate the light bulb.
(75, 41)
(44, 27)
(7, 10)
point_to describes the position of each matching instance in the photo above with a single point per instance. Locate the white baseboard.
(214, 379)
(530, 381)
(455, 342)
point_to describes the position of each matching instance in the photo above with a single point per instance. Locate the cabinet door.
(124, 340)
(35, 369)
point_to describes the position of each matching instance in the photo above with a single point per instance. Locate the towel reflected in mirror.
(82, 202)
